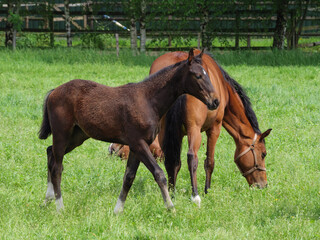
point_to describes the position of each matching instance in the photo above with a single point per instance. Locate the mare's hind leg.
(194, 139)
(212, 137)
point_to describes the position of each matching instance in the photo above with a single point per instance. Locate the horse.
(189, 116)
(128, 114)
(123, 151)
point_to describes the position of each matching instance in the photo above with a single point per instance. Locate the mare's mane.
(244, 99)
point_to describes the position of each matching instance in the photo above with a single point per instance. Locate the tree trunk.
(9, 28)
(68, 22)
(301, 22)
(143, 34)
(133, 28)
(281, 25)
(50, 24)
(133, 36)
(205, 37)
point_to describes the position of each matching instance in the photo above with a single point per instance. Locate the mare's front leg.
(194, 140)
(212, 137)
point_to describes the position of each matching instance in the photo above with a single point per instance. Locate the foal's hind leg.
(62, 144)
(50, 191)
(212, 137)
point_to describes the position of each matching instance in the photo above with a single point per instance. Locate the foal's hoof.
(172, 209)
(119, 207)
(196, 200)
(59, 205)
(46, 202)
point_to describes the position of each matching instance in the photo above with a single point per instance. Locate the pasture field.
(284, 89)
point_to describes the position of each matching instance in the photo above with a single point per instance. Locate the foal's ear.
(190, 57)
(265, 134)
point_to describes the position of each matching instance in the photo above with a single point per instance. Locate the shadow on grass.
(76, 55)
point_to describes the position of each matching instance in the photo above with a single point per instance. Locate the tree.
(281, 7)
(143, 32)
(68, 22)
(130, 9)
(297, 16)
(13, 23)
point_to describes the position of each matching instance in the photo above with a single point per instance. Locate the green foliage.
(16, 20)
(34, 40)
(284, 90)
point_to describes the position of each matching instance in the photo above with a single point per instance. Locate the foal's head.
(250, 159)
(198, 83)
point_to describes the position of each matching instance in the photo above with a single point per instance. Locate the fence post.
(117, 44)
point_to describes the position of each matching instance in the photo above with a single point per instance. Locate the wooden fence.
(244, 23)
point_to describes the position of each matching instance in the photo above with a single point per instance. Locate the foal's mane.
(164, 70)
(244, 98)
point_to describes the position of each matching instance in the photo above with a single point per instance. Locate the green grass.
(284, 90)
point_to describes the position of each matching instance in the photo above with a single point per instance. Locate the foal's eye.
(263, 155)
(198, 76)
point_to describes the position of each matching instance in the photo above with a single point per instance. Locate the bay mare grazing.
(128, 114)
(189, 116)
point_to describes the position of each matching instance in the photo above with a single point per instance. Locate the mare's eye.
(263, 155)
(198, 76)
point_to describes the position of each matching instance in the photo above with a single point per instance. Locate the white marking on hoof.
(196, 200)
(59, 204)
(49, 194)
(50, 191)
(169, 204)
(119, 207)
(110, 149)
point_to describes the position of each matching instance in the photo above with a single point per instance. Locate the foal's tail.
(173, 132)
(45, 129)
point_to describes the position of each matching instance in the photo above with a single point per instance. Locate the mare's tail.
(45, 129)
(173, 132)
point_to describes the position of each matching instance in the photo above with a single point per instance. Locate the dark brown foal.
(129, 114)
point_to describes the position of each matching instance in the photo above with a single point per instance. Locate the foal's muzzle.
(214, 104)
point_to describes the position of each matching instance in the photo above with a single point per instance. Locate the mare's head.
(250, 159)
(198, 83)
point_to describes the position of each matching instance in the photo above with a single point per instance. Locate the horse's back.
(89, 105)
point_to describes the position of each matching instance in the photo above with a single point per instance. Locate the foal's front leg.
(141, 152)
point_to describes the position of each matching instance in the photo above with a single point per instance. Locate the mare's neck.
(164, 87)
(236, 122)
